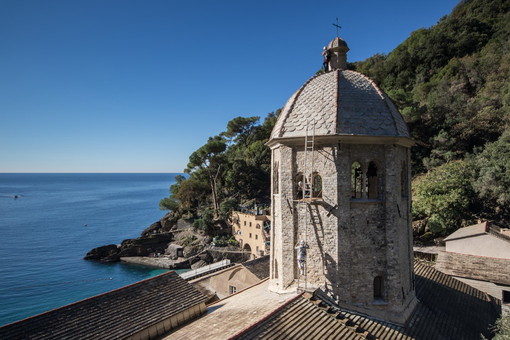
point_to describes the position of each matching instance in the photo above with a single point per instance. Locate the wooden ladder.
(307, 189)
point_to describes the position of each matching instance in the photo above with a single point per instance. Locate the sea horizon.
(107, 172)
(55, 220)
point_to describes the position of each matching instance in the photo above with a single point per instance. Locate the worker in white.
(301, 256)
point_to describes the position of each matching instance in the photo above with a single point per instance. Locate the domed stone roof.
(340, 103)
(337, 42)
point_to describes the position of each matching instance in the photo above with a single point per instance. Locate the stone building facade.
(479, 255)
(340, 183)
(252, 232)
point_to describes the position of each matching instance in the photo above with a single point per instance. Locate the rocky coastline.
(167, 244)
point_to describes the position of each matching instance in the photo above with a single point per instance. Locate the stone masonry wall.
(282, 231)
(311, 221)
(474, 267)
(363, 245)
(351, 241)
(398, 232)
(375, 234)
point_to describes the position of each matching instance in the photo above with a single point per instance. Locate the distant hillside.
(452, 84)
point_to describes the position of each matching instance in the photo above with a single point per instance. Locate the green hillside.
(452, 84)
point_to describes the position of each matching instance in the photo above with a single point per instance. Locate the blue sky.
(137, 86)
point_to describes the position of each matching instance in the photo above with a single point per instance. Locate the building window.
(232, 289)
(308, 187)
(316, 185)
(356, 180)
(372, 181)
(257, 226)
(506, 296)
(299, 184)
(250, 235)
(250, 224)
(256, 236)
(378, 288)
(245, 223)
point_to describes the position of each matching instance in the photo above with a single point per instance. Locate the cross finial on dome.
(337, 27)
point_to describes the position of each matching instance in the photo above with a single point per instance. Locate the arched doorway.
(247, 251)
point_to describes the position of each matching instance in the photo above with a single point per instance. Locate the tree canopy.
(227, 170)
(450, 82)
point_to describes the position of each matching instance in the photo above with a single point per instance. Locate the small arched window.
(356, 180)
(316, 185)
(372, 180)
(378, 287)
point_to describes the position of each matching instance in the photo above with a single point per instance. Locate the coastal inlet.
(169, 245)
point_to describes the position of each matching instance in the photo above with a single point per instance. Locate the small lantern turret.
(337, 49)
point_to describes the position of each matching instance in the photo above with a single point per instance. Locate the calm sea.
(56, 220)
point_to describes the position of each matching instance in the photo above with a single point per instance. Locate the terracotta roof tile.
(447, 309)
(113, 315)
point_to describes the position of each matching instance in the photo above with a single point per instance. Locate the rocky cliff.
(160, 240)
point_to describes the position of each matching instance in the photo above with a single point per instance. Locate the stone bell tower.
(340, 183)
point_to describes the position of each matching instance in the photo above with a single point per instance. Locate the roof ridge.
(336, 103)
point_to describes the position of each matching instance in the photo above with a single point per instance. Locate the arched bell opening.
(356, 180)
(372, 181)
(316, 185)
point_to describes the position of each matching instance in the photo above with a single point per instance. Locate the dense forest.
(451, 82)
